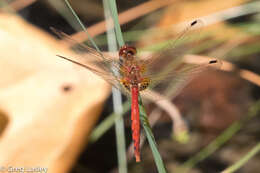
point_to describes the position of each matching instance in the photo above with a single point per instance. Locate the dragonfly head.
(127, 52)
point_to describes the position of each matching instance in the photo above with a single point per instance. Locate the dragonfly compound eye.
(127, 50)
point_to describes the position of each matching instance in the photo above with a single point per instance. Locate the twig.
(227, 66)
(124, 17)
(229, 13)
(20, 4)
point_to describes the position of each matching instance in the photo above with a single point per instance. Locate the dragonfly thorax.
(133, 77)
(131, 69)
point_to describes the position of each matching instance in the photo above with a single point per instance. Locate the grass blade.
(82, 26)
(114, 14)
(107, 123)
(220, 140)
(148, 131)
(243, 161)
(143, 116)
(117, 98)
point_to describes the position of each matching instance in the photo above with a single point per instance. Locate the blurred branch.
(227, 66)
(165, 104)
(20, 4)
(150, 6)
(245, 9)
(124, 17)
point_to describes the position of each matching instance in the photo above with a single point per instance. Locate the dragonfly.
(136, 75)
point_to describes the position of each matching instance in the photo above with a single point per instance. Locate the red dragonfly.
(135, 75)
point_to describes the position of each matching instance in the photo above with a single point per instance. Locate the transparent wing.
(176, 79)
(109, 77)
(91, 55)
(167, 68)
(171, 54)
(94, 61)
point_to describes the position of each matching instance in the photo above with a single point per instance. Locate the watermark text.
(22, 169)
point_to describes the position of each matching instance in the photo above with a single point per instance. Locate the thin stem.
(106, 124)
(114, 15)
(243, 161)
(82, 26)
(117, 98)
(151, 139)
(221, 139)
(213, 146)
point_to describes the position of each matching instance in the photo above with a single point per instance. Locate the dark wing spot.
(66, 88)
(193, 23)
(213, 61)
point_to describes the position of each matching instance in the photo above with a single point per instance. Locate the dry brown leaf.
(51, 104)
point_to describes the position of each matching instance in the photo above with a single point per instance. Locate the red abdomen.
(135, 122)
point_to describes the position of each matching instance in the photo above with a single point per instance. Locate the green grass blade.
(148, 131)
(114, 14)
(213, 146)
(82, 26)
(65, 12)
(117, 98)
(106, 124)
(243, 161)
(143, 116)
(220, 140)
